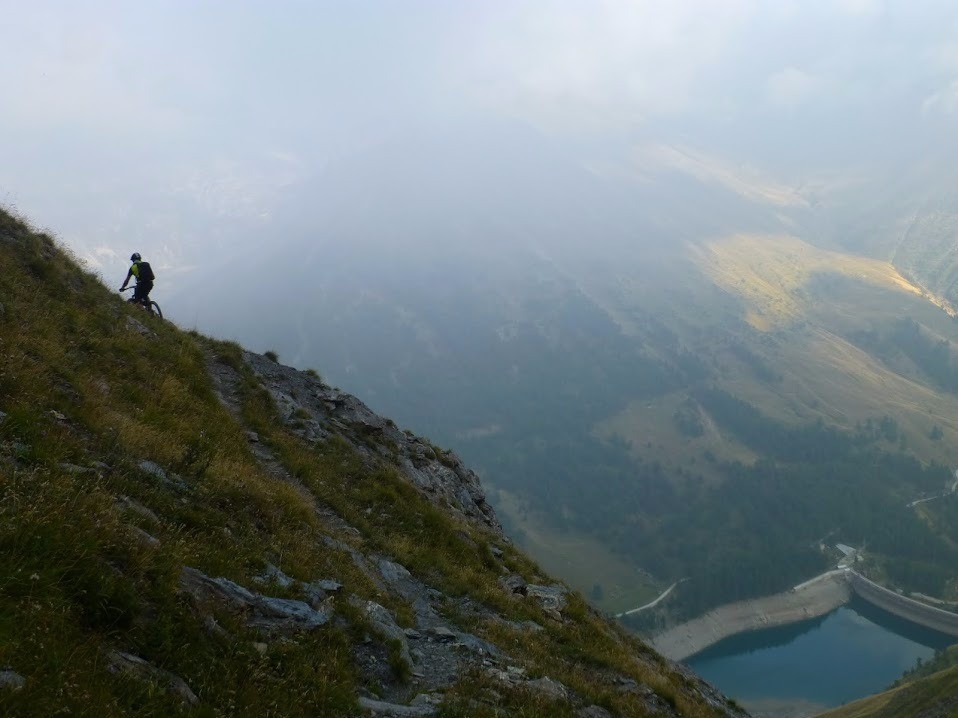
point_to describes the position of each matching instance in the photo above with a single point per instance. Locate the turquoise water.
(852, 652)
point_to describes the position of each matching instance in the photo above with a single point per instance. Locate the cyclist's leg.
(141, 293)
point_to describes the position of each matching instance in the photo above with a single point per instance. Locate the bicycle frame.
(146, 302)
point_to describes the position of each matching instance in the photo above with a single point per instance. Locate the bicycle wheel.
(155, 308)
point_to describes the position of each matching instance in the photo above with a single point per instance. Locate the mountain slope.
(187, 528)
(576, 333)
(929, 690)
(935, 696)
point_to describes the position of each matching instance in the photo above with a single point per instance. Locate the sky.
(167, 126)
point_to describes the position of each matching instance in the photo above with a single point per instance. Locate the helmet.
(136, 257)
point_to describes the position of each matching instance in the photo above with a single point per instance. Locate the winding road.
(949, 492)
(651, 604)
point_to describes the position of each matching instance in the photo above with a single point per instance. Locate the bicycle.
(147, 303)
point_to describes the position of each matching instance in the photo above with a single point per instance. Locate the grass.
(581, 560)
(769, 272)
(77, 579)
(935, 695)
(814, 302)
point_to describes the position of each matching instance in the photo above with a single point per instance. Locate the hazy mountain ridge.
(195, 530)
(570, 378)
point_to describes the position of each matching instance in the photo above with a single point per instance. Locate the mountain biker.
(144, 279)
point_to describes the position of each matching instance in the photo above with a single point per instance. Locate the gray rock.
(145, 538)
(11, 680)
(125, 503)
(393, 572)
(549, 688)
(138, 327)
(477, 645)
(74, 469)
(328, 585)
(153, 469)
(359, 560)
(427, 699)
(120, 662)
(286, 613)
(215, 629)
(381, 708)
(314, 594)
(3, 415)
(271, 574)
(551, 598)
(593, 712)
(252, 437)
(57, 415)
(446, 481)
(514, 583)
(441, 633)
(383, 621)
(502, 676)
(261, 611)
(412, 633)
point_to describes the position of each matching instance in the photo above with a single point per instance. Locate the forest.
(757, 529)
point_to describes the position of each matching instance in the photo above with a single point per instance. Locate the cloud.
(790, 87)
(861, 7)
(943, 101)
(744, 180)
(603, 63)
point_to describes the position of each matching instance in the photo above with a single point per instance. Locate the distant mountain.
(665, 365)
(189, 528)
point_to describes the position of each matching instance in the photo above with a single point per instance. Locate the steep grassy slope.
(564, 333)
(934, 696)
(189, 529)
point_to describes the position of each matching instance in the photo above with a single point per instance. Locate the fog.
(180, 129)
(581, 243)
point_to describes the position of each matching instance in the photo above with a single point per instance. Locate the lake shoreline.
(817, 597)
(811, 599)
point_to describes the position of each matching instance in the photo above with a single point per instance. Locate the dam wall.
(810, 599)
(904, 607)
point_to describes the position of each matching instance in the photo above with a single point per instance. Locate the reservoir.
(800, 669)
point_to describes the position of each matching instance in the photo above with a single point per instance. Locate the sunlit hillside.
(190, 529)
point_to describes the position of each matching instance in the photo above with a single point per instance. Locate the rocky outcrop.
(411, 666)
(317, 411)
(120, 662)
(262, 612)
(394, 710)
(11, 680)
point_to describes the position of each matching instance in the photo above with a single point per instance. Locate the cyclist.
(144, 279)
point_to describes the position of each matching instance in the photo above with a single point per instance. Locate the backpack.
(146, 272)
